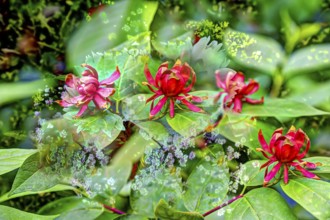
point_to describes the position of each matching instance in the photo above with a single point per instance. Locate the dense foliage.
(139, 109)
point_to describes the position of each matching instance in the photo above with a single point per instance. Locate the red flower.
(80, 91)
(284, 150)
(236, 90)
(171, 84)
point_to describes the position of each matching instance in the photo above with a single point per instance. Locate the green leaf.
(313, 195)
(11, 159)
(8, 213)
(165, 212)
(308, 60)
(106, 125)
(158, 185)
(207, 186)
(110, 28)
(56, 188)
(10, 92)
(153, 129)
(253, 51)
(188, 123)
(29, 176)
(72, 208)
(132, 217)
(244, 130)
(260, 203)
(107, 216)
(135, 107)
(281, 108)
(251, 174)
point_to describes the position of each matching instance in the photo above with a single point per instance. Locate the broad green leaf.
(308, 60)
(313, 195)
(251, 174)
(8, 213)
(31, 178)
(315, 95)
(106, 125)
(158, 185)
(260, 203)
(165, 212)
(72, 208)
(253, 51)
(56, 188)
(281, 108)
(207, 186)
(244, 130)
(188, 123)
(110, 28)
(11, 159)
(152, 129)
(135, 107)
(132, 217)
(111, 179)
(107, 216)
(10, 92)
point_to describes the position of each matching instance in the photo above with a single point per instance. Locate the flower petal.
(148, 75)
(71, 80)
(191, 106)
(263, 142)
(272, 173)
(286, 174)
(114, 76)
(251, 88)
(106, 92)
(83, 108)
(90, 71)
(158, 107)
(303, 171)
(253, 101)
(172, 108)
(99, 101)
(237, 105)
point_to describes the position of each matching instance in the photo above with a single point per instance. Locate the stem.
(243, 190)
(222, 205)
(114, 210)
(277, 84)
(117, 107)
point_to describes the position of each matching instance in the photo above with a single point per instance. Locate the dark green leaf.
(308, 60)
(107, 216)
(29, 176)
(135, 107)
(244, 130)
(261, 203)
(313, 195)
(207, 186)
(253, 51)
(165, 212)
(188, 123)
(56, 188)
(251, 174)
(72, 208)
(11, 159)
(106, 125)
(8, 213)
(160, 185)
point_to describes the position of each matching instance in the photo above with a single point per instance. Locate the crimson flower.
(286, 150)
(172, 85)
(81, 91)
(236, 90)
